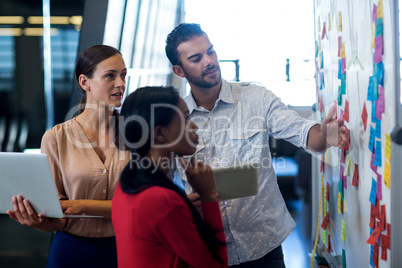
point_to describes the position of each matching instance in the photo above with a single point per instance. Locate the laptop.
(30, 175)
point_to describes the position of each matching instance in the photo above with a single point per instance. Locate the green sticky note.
(325, 205)
(324, 237)
(343, 236)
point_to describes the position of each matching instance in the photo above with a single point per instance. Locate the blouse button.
(104, 171)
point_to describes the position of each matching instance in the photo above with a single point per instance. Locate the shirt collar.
(225, 95)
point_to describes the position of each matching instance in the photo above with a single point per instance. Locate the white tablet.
(236, 181)
(30, 175)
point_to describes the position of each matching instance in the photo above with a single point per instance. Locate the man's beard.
(201, 82)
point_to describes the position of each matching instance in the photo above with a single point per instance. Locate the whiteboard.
(346, 58)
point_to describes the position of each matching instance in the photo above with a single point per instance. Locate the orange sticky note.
(374, 236)
(346, 114)
(325, 222)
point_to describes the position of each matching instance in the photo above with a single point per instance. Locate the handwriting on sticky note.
(387, 174)
(343, 232)
(325, 221)
(373, 193)
(379, 9)
(378, 49)
(374, 236)
(388, 147)
(372, 216)
(379, 187)
(377, 158)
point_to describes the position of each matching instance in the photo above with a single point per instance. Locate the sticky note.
(339, 203)
(383, 218)
(343, 80)
(379, 187)
(375, 255)
(379, 9)
(340, 187)
(386, 243)
(379, 74)
(383, 249)
(322, 59)
(388, 147)
(327, 193)
(372, 216)
(346, 117)
(324, 236)
(374, 14)
(347, 162)
(387, 174)
(329, 22)
(378, 27)
(355, 181)
(373, 167)
(343, 235)
(370, 90)
(378, 49)
(374, 236)
(371, 256)
(339, 68)
(319, 24)
(340, 21)
(339, 46)
(345, 205)
(377, 158)
(343, 68)
(325, 221)
(371, 139)
(373, 193)
(378, 129)
(373, 112)
(343, 50)
(343, 258)
(364, 116)
(373, 35)
(325, 202)
(322, 79)
(381, 100)
(329, 248)
(323, 31)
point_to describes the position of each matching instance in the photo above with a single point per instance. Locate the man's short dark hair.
(182, 33)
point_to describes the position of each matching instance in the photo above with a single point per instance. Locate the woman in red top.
(155, 223)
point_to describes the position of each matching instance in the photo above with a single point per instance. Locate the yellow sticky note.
(340, 21)
(325, 202)
(387, 174)
(379, 9)
(319, 24)
(324, 237)
(343, 50)
(347, 165)
(339, 202)
(351, 168)
(343, 236)
(329, 22)
(373, 35)
(326, 157)
(319, 46)
(388, 147)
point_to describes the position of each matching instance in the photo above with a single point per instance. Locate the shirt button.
(104, 191)
(104, 171)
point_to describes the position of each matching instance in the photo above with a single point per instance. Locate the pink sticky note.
(374, 16)
(379, 187)
(339, 45)
(346, 111)
(378, 49)
(323, 31)
(341, 114)
(364, 116)
(381, 100)
(343, 65)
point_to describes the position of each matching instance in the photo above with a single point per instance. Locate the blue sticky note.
(340, 188)
(322, 59)
(370, 96)
(378, 129)
(339, 97)
(371, 140)
(373, 193)
(343, 258)
(343, 84)
(375, 88)
(371, 255)
(316, 49)
(377, 158)
(339, 69)
(378, 27)
(380, 73)
(373, 112)
(322, 81)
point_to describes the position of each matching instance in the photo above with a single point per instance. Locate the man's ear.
(159, 135)
(178, 70)
(83, 81)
